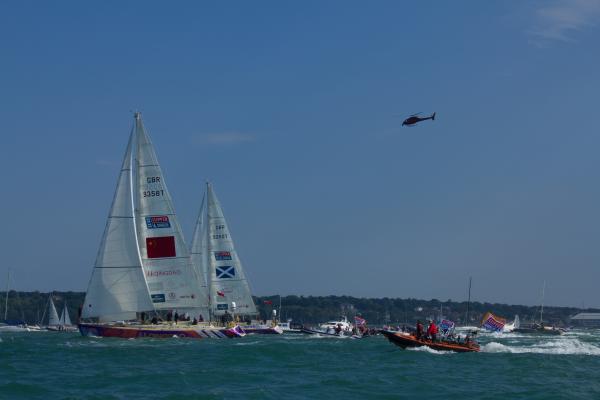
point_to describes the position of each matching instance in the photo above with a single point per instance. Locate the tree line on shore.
(31, 307)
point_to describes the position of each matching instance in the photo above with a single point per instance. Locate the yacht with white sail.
(143, 268)
(220, 270)
(56, 323)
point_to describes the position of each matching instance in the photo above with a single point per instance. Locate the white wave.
(429, 350)
(246, 343)
(568, 346)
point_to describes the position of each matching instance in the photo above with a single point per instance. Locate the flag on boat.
(446, 326)
(268, 302)
(359, 321)
(492, 322)
(220, 293)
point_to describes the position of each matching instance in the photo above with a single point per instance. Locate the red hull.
(132, 331)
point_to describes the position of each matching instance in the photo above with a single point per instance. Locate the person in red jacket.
(432, 331)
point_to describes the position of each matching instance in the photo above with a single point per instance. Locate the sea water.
(54, 365)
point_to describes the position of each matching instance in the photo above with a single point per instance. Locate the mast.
(468, 303)
(542, 307)
(6, 297)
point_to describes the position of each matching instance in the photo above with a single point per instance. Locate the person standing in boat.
(419, 330)
(432, 331)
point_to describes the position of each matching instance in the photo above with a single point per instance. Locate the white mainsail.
(171, 280)
(53, 319)
(65, 320)
(117, 289)
(226, 278)
(199, 254)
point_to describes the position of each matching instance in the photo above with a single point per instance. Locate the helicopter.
(413, 119)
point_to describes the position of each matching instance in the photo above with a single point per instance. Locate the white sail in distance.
(117, 289)
(53, 319)
(171, 279)
(226, 277)
(65, 320)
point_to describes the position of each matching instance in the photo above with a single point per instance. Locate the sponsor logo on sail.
(225, 272)
(158, 298)
(157, 221)
(222, 306)
(154, 274)
(222, 255)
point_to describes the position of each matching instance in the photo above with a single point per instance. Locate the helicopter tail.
(433, 116)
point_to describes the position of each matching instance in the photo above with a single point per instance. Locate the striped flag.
(358, 321)
(492, 323)
(446, 326)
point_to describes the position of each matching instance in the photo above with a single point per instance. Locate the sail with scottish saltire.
(143, 266)
(225, 275)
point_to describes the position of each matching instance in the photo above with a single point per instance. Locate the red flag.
(220, 293)
(268, 302)
(160, 247)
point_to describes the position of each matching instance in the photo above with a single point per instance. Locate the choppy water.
(510, 366)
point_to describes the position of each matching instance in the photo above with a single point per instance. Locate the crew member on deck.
(432, 331)
(419, 330)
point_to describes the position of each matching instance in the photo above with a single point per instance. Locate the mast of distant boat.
(468, 304)
(542, 307)
(6, 297)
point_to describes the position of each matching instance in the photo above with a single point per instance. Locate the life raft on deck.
(405, 340)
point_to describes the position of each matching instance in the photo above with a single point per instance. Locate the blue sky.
(293, 111)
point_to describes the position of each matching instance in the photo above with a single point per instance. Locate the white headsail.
(53, 319)
(171, 279)
(226, 276)
(117, 288)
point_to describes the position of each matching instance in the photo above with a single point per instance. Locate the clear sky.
(293, 110)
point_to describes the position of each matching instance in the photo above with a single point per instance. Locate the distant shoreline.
(30, 307)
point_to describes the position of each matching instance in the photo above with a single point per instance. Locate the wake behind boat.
(407, 340)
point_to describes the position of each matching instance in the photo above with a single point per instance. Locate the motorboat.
(407, 340)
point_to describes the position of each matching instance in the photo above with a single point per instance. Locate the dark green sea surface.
(66, 366)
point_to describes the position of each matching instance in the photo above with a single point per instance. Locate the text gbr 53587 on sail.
(143, 268)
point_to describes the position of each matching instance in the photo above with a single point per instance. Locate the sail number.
(154, 193)
(154, 186)
(220, 236)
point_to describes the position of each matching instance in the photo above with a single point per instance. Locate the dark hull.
(539, 331)
(405, 341)
(158, 331)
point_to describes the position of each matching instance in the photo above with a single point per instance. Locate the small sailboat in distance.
(540, 328)
(53, 319)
